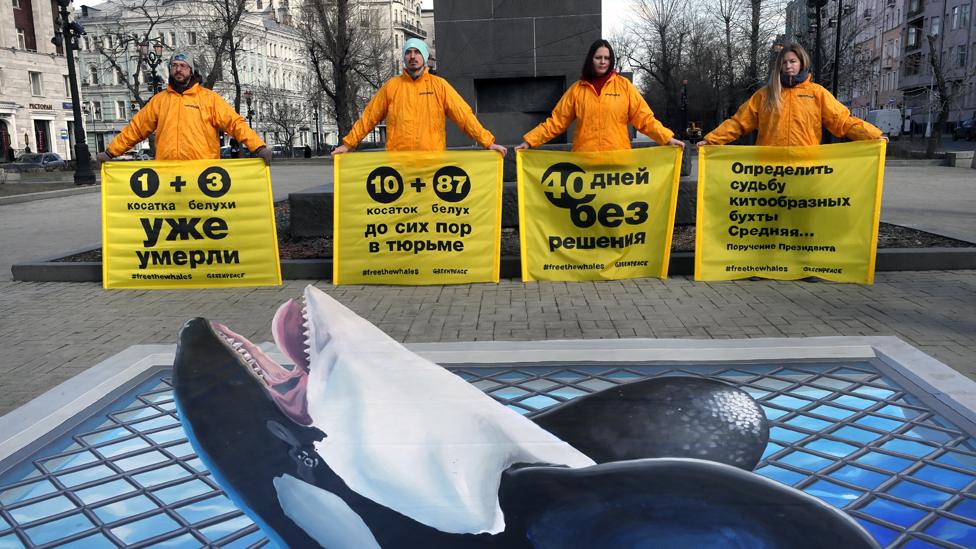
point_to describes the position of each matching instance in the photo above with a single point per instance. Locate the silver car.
(35, 162)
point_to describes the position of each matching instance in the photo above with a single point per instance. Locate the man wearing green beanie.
(415, 105)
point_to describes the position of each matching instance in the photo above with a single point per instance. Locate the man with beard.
(415, 105)
(186, 117)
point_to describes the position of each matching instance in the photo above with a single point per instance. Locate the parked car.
(35, 162)
(280, 151)
(134, 155)
(965, 130)
(889, 121)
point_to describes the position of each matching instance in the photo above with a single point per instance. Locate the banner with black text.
(789, 212)
(188, 224)
(597, 216)
(417, 217)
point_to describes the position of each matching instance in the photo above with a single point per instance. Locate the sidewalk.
(53, 331)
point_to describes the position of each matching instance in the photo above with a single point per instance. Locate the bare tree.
(661, 29)
(348, 58)
(116, 44)
(223, 39)
(283, 113)
(728, 14)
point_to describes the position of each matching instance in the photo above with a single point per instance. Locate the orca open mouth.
(286, 386)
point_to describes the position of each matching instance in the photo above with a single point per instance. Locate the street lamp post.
(684, 108)
(68, 35)
(248, 96)
(317, 145)
(835, 77)
(152, 59)
(818, 6)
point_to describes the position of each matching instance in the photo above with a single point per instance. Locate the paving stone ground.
(53, 331)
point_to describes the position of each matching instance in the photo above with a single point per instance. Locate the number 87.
(451, 184)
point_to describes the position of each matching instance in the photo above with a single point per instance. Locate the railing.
(413, 29)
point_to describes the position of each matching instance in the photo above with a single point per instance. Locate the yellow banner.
(789, 212)
(188, 224)
(597, 216)
(417, 217)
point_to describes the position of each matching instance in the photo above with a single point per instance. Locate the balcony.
(411, 29)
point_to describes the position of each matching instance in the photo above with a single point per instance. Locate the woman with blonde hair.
(791, 110)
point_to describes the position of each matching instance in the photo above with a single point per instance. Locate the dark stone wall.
(512, 60)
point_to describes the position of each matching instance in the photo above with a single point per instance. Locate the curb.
(44, 195)
(682, 263)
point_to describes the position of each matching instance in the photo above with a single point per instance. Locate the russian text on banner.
(789, 212)
(417, 217)
(188, 224)
(597, 216)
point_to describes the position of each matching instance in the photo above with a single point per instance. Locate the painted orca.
(364, 444)
(663, 417)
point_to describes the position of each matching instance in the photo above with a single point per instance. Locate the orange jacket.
(414, 111)
(601, 120)
(807, 108)
(186, 125)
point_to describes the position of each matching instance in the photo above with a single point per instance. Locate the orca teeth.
(242, 352)
(308, 330)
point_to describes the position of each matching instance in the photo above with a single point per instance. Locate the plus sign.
(418, 185)
(177, 184)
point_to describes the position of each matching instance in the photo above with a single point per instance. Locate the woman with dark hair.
(791, 110)
(602, 103)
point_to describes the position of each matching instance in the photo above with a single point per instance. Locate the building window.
(964, 16)
(93, 75)
(120, 110)
(36, 83)
(67, 85)
(961, 56)
(935, 25)
(172, 39)
(119, 78)
(96, 110)
(22, 39)
(191, 38)
(16, 4)
(259, 4)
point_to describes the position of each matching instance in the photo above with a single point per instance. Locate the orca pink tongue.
(288, 330)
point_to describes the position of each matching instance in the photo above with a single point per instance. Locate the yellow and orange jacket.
(807, 108)
(186, 125)
(601, 120)
(414, 111)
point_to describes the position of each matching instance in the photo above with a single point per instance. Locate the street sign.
(64, 134)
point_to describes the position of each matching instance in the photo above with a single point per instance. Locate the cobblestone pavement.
(53, 331)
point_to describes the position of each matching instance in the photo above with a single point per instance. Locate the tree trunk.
(753, 71)
(944, 98)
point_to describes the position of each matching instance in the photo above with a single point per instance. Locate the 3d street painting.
(346, 439)
(363, 443)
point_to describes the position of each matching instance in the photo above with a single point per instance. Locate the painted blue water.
(842, 433)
